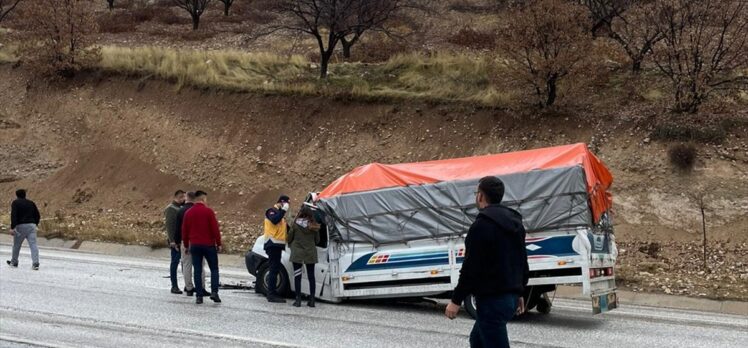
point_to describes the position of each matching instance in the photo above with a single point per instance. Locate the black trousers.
(274, 259)
(210, 255)
(297, 278)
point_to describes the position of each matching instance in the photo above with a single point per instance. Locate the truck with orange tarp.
(397, 230)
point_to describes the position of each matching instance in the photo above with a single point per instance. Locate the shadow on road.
(560, 320)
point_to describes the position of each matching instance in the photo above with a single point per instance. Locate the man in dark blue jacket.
(495, 269)
(24, 221)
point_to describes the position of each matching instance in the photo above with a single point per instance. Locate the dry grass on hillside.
(231, 70)
(438, 77)
(8, 52)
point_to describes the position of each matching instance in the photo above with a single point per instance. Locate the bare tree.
(624, 21)
(602, 13)
(376, 15)
(637, 37)
(6, 6)
(704, 46)
(110, 4)
(195, 8)
(58, 35)
(333, 21)
(226, 6)
(545, 42)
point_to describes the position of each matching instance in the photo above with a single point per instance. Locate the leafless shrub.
(603, 12)
(58, 35)
(704, 48)
(544, 43)
(682, 156)
(634, 34)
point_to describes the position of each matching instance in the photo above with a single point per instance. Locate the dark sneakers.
(189, 292)
(311, 302)
(11, 264)
(35, 267)
(215, 298)
(176, 291)
(199, 300)
(206, 294)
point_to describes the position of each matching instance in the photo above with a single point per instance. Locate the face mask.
(284, 206)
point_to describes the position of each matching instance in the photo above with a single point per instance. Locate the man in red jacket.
(201, 236)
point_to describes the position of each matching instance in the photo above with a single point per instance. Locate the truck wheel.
(471, 306)
(262, 278)
(544, 304)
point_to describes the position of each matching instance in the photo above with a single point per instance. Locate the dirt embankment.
(102, 155)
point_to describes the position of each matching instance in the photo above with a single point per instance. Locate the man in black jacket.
(495, 269)
(170, 225)
(24, 221)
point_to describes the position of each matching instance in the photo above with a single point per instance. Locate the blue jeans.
(490, 326)
(176, 256)
(25, 232)
(210, 254)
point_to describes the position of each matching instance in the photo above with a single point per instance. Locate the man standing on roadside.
(189, 285)
(201, 236)
(170, 224)
(275, 229)
(495, 269)
(24, 221)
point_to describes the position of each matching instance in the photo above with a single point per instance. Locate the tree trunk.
(195, 22)
(226, 6)
(551, 92)
(111, 4)
(324, 63)
(703, 227)
(636, 66)
(346, 49)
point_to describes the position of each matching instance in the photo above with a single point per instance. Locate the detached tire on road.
(262, 276)
(470, 306)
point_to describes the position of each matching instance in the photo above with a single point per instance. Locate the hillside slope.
(102, 155)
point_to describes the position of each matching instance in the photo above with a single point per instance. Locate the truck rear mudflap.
(602, 303)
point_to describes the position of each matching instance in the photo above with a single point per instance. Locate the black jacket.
(495, 256)
(23, 211)
(180, 218)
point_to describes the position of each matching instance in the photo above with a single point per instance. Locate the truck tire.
(471, 306)
(261, 282)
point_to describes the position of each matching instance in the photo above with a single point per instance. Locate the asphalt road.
(89, 300)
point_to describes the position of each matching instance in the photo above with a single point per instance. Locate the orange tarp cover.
(378, 176)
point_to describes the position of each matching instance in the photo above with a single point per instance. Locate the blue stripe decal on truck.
(536, 248)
